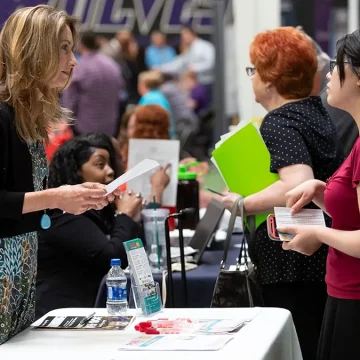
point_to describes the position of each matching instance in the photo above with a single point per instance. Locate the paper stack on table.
(204, 335)
(97, 322)
(222, 326)
(177, 343)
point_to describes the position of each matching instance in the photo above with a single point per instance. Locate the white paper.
(177, 343)
(304, 217)
(218, 169)
(140, 266)
(188, 250)
(164, 152)
(137, 170)
(223, 326)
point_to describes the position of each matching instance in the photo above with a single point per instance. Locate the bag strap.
(163, 287)
(251, 225)
(234, 211)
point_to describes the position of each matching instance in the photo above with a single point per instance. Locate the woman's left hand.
(229, 199)
(159, 181)
(305, 241)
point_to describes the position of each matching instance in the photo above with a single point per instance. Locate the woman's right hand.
(130, 204)
(302, 195)
(76, 199)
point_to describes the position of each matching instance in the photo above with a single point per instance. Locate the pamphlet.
(76, 323)
(142, 280)
(138, 262)
(177, 343)
(284, 218)
(221, 326)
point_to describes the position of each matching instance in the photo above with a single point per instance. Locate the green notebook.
(244, 162)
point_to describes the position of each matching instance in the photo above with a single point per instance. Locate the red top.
(341, 202)
(56, 140)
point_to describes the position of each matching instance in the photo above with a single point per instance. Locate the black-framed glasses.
(250, 70)
(334, 63)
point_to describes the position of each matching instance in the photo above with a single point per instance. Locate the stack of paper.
(177, 343)
(142, 281)
(284, 218)
(222, 327)
(97, 322)
(243, 160)
(225, 326)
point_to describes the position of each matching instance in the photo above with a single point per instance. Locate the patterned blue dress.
(18, 263)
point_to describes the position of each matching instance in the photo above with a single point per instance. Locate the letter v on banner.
(146, 20)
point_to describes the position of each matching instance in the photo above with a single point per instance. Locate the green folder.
(244, 162)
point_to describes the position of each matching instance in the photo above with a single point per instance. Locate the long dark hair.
(65, 166)
(349, 47)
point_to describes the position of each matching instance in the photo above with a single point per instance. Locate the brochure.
(177, 343)
(77, 323)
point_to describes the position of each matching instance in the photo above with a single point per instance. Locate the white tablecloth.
(271, 336)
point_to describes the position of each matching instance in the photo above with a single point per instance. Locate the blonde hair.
(151, 79)
(29, 58)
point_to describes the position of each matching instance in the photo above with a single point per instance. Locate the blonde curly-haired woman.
(36, 57)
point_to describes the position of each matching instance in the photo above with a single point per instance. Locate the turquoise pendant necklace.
(45, 221)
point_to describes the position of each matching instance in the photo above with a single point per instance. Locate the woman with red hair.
(143, 122)
(146, 122)
(303, 145)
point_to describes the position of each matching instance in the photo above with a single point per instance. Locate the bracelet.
(117, 213)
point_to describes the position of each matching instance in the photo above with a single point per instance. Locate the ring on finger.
(138, 195)
(129, 192)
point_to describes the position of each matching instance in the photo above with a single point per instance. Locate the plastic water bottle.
(116, 282)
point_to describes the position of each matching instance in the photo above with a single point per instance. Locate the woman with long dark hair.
(75, 253)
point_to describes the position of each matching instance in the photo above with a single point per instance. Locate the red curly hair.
(286, 58)
(151, 121)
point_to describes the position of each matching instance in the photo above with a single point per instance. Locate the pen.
(214, 191)
(87, 319)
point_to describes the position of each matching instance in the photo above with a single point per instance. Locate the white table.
(270, 336)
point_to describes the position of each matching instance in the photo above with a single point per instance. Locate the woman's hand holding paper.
(301, 195)
(305, 241)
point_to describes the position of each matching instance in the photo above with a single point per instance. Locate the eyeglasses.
(333, 64)
(250, 70)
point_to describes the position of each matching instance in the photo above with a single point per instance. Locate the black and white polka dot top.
(299, 132)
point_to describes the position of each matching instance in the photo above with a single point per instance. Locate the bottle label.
(116, 293)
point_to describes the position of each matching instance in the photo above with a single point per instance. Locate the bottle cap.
(145, 324)
(115, 262)
(152, 331)
(183, 174)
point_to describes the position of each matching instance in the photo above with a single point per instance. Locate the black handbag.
(240, 287)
